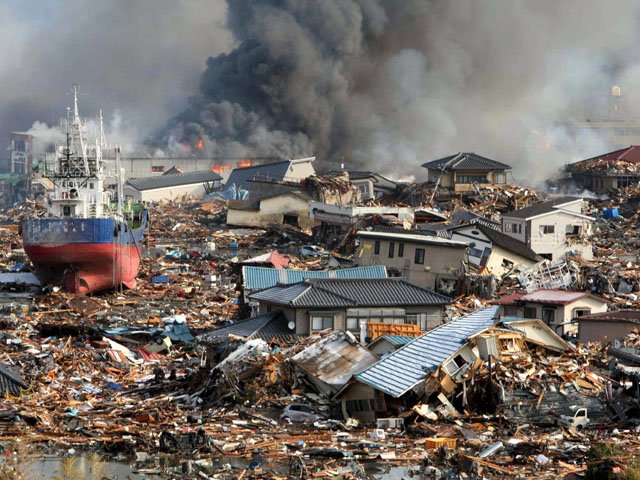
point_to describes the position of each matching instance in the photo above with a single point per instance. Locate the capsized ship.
(89, 240)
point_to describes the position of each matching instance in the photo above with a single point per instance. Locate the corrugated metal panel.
(403, 369)
(397, 339)
(259, 278)
(174, 180)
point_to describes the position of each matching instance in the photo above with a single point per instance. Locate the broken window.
(376, 247)
(573, 229)
(547, 229)
(549, 315)
(290, 219)
(578, 312)
(419, 257)
(507, 264)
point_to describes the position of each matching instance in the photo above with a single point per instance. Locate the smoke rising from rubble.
(136, 60)
(386, 85)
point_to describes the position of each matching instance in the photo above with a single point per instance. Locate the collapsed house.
(330, 362)
(613, 170)
(477, 363)
(285, 208)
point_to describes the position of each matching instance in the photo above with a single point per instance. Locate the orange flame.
(200, 144)
(244, 163)
(220, 168)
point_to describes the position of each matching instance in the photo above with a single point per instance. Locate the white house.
(552, 229)
(171, 186)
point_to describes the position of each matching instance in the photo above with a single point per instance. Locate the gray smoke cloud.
(137, 61)
(387, 85)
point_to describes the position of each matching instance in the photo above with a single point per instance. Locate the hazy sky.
(379, 84)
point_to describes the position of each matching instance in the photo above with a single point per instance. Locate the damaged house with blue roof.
(432, 374)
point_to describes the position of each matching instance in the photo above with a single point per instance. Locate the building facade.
(422, 259)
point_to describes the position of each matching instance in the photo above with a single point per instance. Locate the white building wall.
(167, 193)
(556, 243)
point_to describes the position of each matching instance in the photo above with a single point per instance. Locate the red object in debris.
(144, 418)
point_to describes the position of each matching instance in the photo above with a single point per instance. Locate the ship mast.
(103, 139)
(76, 131)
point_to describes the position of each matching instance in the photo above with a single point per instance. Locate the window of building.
(157, 168)
(419, 257)
(392, 247)
(500, 177)
(578, 312)
(627, 181)
(376, 247)
(472, 179)
(91, 185)
(507, 263)
(321, 322)
(475, 252)
(547, 229)
(573, 229)
(512, 227)
(530, 312)
(549, 315)
(401, 250)
(422, 319)
(384, 315)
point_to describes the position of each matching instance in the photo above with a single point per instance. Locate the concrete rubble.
(185, 374)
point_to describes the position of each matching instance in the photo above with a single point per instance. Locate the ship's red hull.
(86, 268)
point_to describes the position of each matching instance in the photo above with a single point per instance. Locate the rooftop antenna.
(615, 103)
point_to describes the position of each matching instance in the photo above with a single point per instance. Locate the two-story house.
(344, 304)
(552, 229)
(463, 172)
(422, 259)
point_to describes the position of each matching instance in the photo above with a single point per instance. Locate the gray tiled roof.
(504, 241)
(269, 326)
(365, 292)
(540, 208)
(10, 380)
(509, 243)
(465, 161)
(174, 180)
(402, 370)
